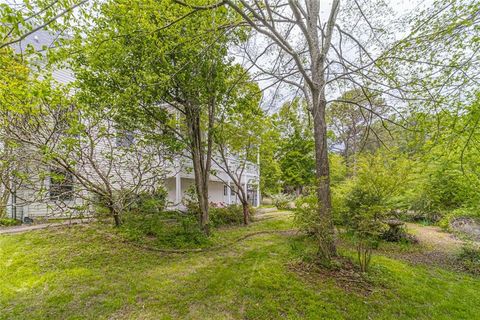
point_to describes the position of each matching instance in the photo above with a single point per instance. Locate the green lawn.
(80, 273)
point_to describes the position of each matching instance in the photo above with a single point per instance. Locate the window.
(125, 138)
(225, 190)
(61, 185)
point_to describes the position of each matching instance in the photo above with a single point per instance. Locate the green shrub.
(306, 214)
(190, 200)
(339, 201)
(127, 202)
(396, 232)
(444, 188)
(148, 202)
(469, 257)
(448, 218)
(230, 215)
(282, 201)
(172, 229)
(370, 198)
(7, 222)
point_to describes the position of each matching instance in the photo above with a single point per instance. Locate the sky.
(277, 95)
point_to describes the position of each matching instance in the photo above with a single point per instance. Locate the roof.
(41, 41)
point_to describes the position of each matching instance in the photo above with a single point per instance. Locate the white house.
(35, 202)
(43, 197)
(221, 188)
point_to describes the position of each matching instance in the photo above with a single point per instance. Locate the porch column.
(229, 192)
(258, 177)
(178, 188)
(258, 193)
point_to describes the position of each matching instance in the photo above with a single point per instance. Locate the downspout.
(258, 178)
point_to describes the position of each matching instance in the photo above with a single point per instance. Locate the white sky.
(273, 98)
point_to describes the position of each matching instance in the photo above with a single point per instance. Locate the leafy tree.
(296, 148)
(155, 68)
(238, 132)
(14, 92)
(309, 54)
(270, 171)
(352, 118)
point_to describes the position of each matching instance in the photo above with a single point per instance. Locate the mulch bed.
(344, 273)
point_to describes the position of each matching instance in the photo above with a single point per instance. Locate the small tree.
(295, 149)
(238, 133)
(371, 197)
(75, 160)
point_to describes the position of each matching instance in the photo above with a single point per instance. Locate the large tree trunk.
(246, 213)
(325, 232)
(115, 214)
(3, 203)
(200, 166)
(5, 178)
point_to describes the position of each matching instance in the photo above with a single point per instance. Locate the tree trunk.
(203, 203)
(325, 233)
(246, 213)
(114, 213)
(3, 202)
(199, 166)
(5, 178)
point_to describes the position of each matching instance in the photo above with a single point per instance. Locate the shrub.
(364, 221)
(230, 215)
(464, 212)
(282, 201)
(190, 201)
(366, 230)
(369, 199)
(339, 202)
(469, 257)
(126, 201)
(7, 222)
(306, 214)
(149, 202)
(166, 229)
(397, 232)
(444, 187)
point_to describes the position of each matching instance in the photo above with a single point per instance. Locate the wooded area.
(349, 121)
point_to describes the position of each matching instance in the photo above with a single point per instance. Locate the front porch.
(220, 192)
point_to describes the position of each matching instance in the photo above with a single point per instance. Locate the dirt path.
(436, 248)
(435, 238)
(271, 213)
(26, 228)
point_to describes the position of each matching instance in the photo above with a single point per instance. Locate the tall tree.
(349, 45)
(147, 62)
(15, 97)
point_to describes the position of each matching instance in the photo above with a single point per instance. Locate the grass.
(79, 273)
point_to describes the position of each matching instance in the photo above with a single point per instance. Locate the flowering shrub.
(282, 201)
